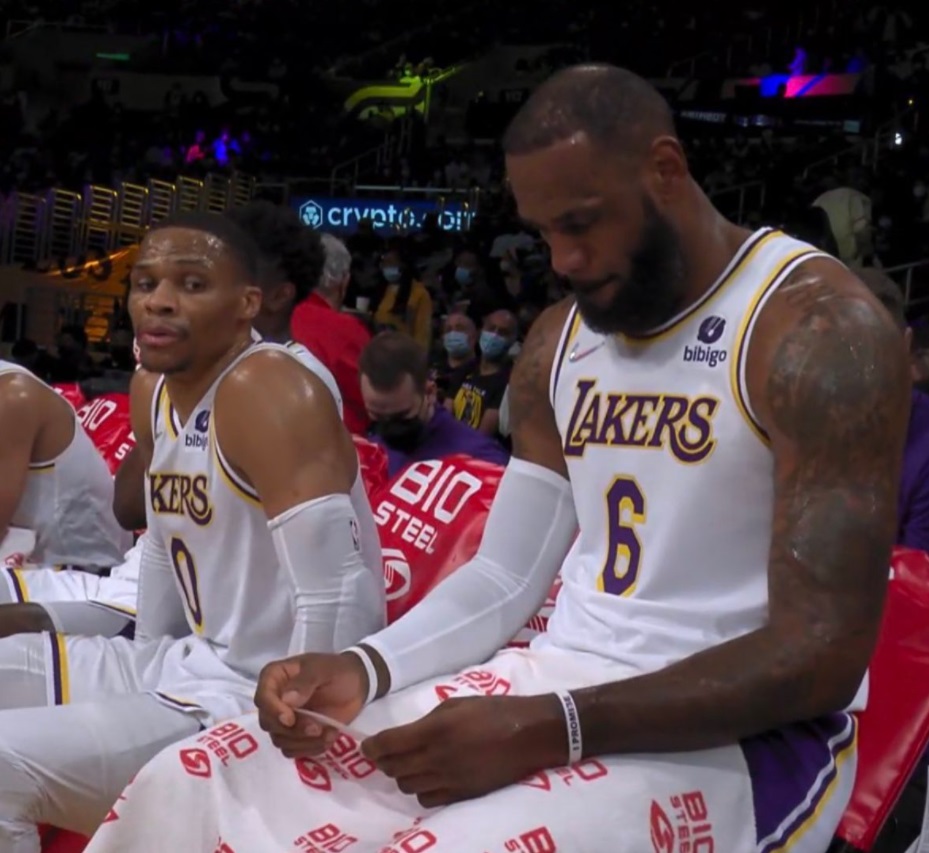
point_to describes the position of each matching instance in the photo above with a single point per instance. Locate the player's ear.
(251, 302)
(277, 300)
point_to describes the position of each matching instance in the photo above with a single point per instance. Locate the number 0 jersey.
(671, 473)
(236, 595)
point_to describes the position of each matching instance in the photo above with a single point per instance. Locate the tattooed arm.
(827, 377)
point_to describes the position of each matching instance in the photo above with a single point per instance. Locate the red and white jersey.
(68, 504)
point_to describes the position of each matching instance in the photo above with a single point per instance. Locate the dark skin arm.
(129, 484)
(26, 618)
(129, 492)
(828, 379)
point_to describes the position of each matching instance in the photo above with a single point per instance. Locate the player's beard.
(651, 294)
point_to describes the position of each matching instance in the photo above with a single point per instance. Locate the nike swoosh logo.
(574, 355)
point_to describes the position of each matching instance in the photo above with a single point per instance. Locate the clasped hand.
(464, 748)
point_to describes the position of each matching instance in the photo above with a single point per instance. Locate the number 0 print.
(186, 571)
(625, 509)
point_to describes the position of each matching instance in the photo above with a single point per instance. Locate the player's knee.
(20, 792)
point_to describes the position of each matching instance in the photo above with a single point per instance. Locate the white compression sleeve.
(160, 610)
(478, 609)
(338, 598)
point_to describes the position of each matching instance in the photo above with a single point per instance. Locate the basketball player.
(53, 483)
(52, 480)
(722, 414)
(260, 542)
(291, 263)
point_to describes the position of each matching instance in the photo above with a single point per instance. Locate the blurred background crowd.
(380, 126)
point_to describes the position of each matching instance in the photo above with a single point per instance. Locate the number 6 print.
(625, 509)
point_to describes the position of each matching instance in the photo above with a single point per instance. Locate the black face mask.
(401, 434)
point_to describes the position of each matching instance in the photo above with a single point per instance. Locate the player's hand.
(334, 685)
(468, 747)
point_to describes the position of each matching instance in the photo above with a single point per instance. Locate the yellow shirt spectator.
(415, 317)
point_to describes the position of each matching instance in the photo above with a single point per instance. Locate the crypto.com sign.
(388, 215)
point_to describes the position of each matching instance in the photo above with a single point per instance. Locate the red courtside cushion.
(106, 420)
(431, 519)
(894, 729)
(373, 460)
(62, 841)
(71, 391)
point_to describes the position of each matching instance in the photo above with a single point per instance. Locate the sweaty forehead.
(180, 245)
(569, 174)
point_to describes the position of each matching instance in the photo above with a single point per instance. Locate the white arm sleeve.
(478, 609)
(338, 597)
(160, 610)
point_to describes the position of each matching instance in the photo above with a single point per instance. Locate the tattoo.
(530, 407)
(837, 394)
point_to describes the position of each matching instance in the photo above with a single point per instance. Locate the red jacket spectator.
(337, 340)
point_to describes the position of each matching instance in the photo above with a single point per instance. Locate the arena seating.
(432, 514)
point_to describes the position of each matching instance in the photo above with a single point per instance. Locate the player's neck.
(709, 247)
(187, 389)
(276, 332)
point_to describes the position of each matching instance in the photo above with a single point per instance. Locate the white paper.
(323, 720)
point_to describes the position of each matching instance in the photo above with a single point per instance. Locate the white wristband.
(369, 669)
(573, 722)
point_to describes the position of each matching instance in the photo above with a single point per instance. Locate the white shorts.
(116, 592)
(230, 790)
(185, 675)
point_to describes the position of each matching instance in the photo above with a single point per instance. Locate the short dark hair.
(389, 357)
(887, 291)
(289, 250)
(609, 104)
(233, 236)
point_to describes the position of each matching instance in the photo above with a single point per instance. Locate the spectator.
(470, 289)
(26, 353)
(477, 401)
(120, 357)
(73, 363)
(406, 305)
(337, 339)
(400, 398)
(458, 342)
(913, 507)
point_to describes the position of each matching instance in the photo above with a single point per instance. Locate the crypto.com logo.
(311, 214)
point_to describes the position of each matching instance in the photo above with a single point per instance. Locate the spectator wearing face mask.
(400, 398)
(913, 503)
(459, 341)
(477, 402)
(471, 291)
(406, 305)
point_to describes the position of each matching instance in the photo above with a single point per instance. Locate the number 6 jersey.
(672, 476)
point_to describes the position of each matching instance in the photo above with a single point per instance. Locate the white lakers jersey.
(314, 365)
(68, 503)
(236, 595)
(671, 473)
